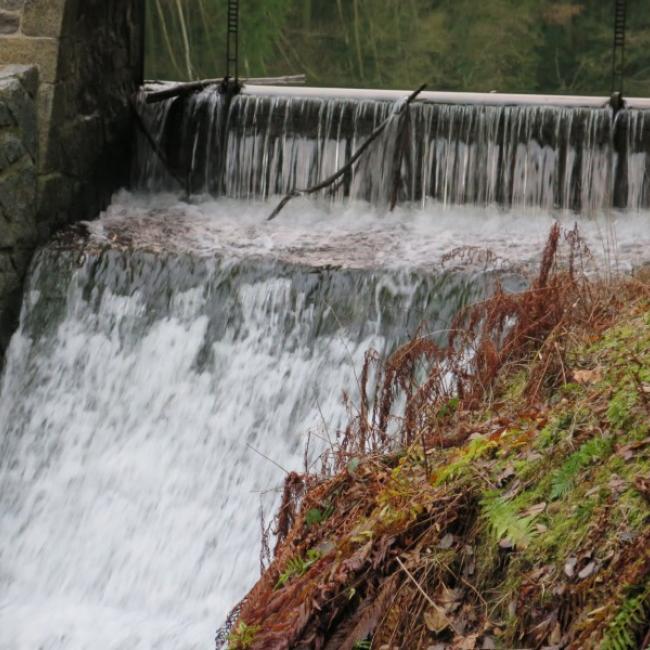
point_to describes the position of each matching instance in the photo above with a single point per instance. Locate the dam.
(177, 356)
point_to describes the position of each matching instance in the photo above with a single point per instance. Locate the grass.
(511, 510)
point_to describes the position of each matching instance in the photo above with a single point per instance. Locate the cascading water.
(550, 157)
(170, 362)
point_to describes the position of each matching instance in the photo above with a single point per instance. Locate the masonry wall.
(89, 56)
(18, 187)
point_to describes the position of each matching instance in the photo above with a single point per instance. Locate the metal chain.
(618, 53)
(232, 41)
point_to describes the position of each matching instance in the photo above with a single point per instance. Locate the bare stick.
(357, 154)
(286, 471)
(189, 87)
(419, 588)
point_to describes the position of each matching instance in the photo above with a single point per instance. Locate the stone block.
(8, 275)
(18, 203)
(26, 74)
(43, 52)
(6, 118)
(46, 161)
(12, 5)
(20, 259)
(11, 149)
(43, 17)
(22, 109)
(9, 22)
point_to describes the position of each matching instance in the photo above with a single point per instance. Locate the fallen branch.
(357, 154)
(181, 89)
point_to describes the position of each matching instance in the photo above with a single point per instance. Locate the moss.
(620, 411)
(462, 464)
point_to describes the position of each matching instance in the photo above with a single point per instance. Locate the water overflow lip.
(582, 158)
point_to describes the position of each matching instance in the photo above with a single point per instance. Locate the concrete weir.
(549, 152)
(435, 97)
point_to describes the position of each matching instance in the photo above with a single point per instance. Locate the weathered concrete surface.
(89, 59)
(18, 187)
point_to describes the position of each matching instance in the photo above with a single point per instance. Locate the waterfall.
(174, 359)
(142, 398)
(549, 157)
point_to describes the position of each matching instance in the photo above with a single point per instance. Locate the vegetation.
(508, 510)
(551, 46)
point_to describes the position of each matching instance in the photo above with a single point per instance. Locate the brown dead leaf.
(449, 597)
(356, 561)
(627, 452)
(436, 620)
(642, 485)
(470, 567)
(556, 635)
(559, 590)
(382, 550)
(468, 643)
(587, 571)
(446, 542)
(535, 510)
(513, 490)
(586, 377)
(487, 643)
(617, 485)
(570, 567)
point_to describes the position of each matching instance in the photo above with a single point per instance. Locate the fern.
(362, 645)
(297, 567)
(476, 449)
(565, 477)
(316, 516)
(504, 522)
(622, 631)
(243, 636)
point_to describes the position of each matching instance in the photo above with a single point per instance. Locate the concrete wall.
(89, 56)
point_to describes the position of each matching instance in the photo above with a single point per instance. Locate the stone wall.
(89, 56)
(18, 183)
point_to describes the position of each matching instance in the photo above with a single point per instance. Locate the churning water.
(169, 366)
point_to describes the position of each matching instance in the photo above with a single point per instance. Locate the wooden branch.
(181, 89)
(357, 154)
